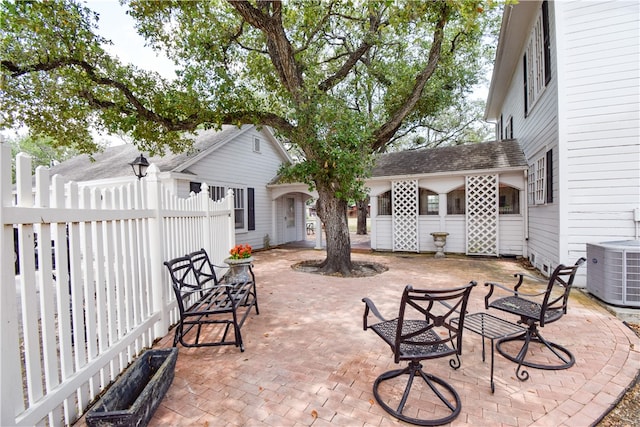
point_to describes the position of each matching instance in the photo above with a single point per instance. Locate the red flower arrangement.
(240, 252)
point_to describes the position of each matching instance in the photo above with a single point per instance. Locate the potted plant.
(239, 261)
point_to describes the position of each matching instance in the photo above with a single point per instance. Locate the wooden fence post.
(206, 226)
(232, 221)
(10, 373)
(157, 242)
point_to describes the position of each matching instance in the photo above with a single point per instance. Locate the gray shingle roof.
(482, 156)
(114, 161)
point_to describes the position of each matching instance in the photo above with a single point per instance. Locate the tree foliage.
(459, 124)
(43, 151)
(338, 79)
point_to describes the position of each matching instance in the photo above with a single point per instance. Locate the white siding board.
(427, 225)
(607, 155)
(510, 230)
(605, 121)
(383, 233)
(457, 239)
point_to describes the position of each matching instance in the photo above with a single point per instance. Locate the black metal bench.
(203, 300)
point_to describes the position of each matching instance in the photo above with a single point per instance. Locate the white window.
(537, 70)
(239, 203)
(508, 129)
(509, 200)
(384, 203)
(217, 193)
(456, 202)
(429, 203)
(537, 184)
(243, 203)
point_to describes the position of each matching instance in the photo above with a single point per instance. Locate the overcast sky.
(117, 26)
(128, 46)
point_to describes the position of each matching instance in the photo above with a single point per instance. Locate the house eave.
(445, 174)
(514, 32)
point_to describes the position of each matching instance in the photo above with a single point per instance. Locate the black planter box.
(135, 396)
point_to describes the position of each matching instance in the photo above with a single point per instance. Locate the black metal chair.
(422, 330)
(536, 309)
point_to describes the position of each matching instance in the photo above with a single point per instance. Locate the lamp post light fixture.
(139, 166)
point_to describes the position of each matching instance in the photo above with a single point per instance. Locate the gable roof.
(505, 154)
(114, 161)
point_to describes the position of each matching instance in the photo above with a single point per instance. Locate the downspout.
(525, 198)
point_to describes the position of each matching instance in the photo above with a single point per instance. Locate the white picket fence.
(91, 292)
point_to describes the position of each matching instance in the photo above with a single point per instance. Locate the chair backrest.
(437, 307)
(182, 279)
(203, 270)
(558, 289)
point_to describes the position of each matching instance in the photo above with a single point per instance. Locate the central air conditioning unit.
(613, 272)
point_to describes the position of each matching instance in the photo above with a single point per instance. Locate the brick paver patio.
(309, 363)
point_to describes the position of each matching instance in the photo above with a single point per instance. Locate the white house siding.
(599, 106)
(427, 224)
(537, 133)
(381, 238)
(511, 241)
(457, 238)
(242, 167)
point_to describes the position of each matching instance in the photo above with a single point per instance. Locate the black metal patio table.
(492, 327)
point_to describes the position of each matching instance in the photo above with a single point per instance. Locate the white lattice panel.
(482, 215)
(404, 202)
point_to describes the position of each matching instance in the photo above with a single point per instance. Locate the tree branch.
(354, 57)
(90, 71)
(189, 124)
(279, 47)
(384, 134)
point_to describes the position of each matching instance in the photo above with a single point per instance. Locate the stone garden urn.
(439, 240)
(239, 269)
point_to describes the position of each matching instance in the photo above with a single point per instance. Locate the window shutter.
(547, 42)
(549, 171)
(251, 209)
(526, 102)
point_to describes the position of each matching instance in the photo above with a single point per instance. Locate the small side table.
(492, 327)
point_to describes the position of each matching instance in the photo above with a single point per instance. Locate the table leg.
(493, 387)
(483, 338)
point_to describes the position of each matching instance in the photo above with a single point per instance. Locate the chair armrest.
(369, 305)
(219, 266)
(530, 277)
(514, 292)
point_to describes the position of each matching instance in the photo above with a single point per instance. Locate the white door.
(290, 219)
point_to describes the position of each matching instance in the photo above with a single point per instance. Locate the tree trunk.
(362, 211)
(333, 213)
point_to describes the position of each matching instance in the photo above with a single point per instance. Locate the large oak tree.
(338, 79)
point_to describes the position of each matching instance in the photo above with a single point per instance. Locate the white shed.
(475, 193)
